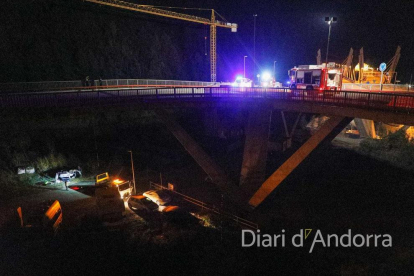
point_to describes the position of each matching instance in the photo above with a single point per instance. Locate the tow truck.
(124, 187)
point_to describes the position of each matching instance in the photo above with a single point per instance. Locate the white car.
(243, 82)
(278, 85)
(161, 198)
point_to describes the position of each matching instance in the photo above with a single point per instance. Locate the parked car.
(177, 215)
(141, 202)
(161, 198)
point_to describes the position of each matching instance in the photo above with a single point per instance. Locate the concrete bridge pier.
(209, 166)
(255, 147)
(211, 121)
(365, 127)
(287, 143)
(329, 130)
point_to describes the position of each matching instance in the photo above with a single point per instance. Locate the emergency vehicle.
(316, 77)
(243, 82)
(123, 186)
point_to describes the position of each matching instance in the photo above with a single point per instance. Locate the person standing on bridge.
(87, 80)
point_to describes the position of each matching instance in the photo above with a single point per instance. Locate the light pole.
(244, 66)
(330, 21)
(133, 172)
(254, 44)
(274, 70)
(395, 80)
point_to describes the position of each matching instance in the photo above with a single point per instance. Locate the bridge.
(341, 107)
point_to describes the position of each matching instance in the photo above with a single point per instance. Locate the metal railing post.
(369, 98)
(395, 102)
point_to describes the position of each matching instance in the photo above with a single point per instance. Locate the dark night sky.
(291, 32)
(60, 39)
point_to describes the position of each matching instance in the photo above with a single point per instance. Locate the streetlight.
(395, 80)
(274, 70)
(330, 21)
(133, 173)
(254, 44)
(244, 66)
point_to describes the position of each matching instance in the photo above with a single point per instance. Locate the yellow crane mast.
(170, 14)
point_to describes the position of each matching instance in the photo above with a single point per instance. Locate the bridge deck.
(387, 107)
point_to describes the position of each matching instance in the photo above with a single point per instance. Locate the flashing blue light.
(288, 82)
(239, 78)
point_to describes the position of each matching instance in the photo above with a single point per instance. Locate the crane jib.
(181, 16)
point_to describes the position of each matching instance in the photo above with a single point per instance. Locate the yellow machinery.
(166, 13)
(363, 73)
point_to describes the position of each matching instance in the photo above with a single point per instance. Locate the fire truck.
(316, 77)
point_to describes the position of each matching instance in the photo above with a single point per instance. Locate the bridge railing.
(96, 84)
(403, 103)
(376, 87)
(244, 223)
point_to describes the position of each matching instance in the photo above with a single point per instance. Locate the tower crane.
(166, 13)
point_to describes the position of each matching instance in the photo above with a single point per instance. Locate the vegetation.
(25, 150)
(395, 148)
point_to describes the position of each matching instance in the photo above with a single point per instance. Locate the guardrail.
(391, 102)
(98, 84)
(376, 87)
(206, 206)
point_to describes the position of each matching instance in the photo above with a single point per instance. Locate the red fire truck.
(316, 77)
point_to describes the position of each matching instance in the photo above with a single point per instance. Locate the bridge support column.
(210, 167)
(255, 147)
(211, 122)
(365, 127)
(332, 127)
(289, 135)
